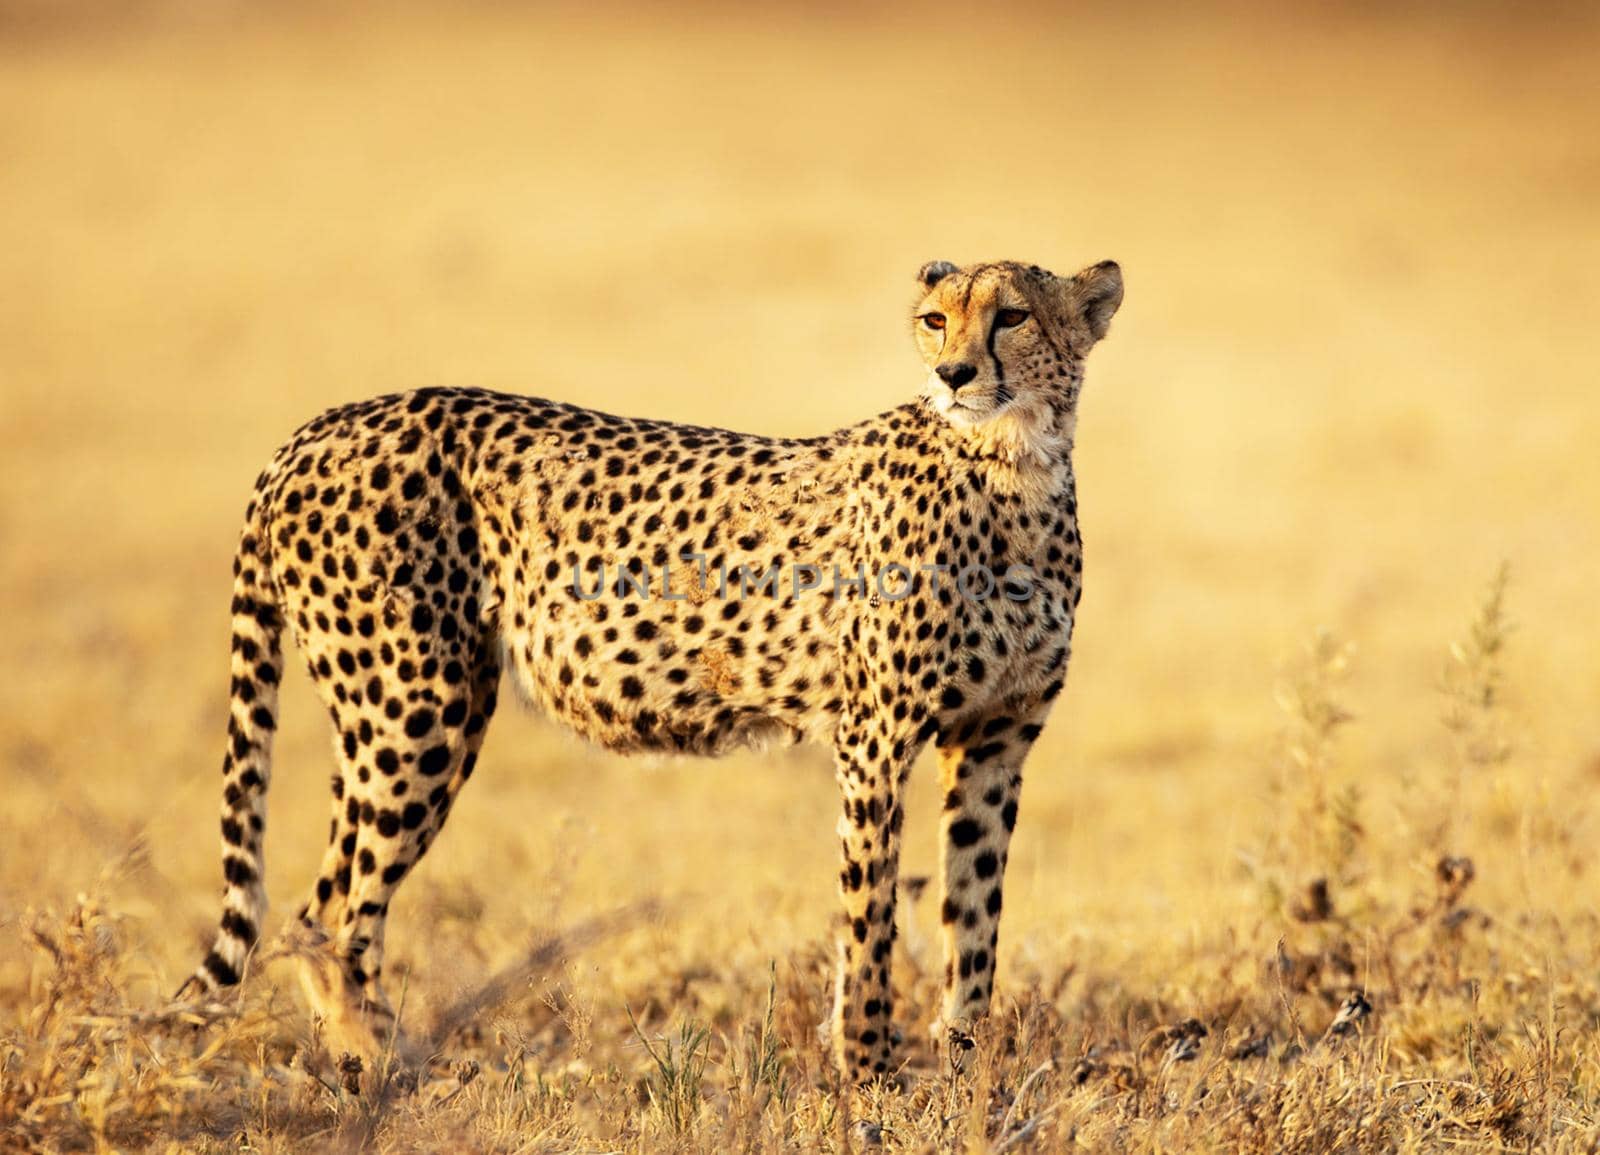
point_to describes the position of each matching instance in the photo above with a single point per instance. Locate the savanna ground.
(1305, 859)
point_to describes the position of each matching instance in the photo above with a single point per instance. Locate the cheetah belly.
(647, 673)
(678, 656)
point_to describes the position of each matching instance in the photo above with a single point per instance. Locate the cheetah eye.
(1009, 318)
(932, 320)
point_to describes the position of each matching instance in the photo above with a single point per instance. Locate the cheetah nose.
(958, 374)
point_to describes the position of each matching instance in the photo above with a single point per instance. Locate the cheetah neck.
(1023, 452)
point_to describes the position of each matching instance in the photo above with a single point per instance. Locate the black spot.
(434, 761)
(419, 723)
(965, 832)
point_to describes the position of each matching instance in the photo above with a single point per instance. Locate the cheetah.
(661, 587)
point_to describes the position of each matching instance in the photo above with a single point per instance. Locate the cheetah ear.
(933, 272)
(1095, 295)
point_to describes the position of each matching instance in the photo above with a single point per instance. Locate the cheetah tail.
(257, 666)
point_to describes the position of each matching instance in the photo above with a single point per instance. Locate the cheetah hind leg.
(396, 793)
(350, 1020)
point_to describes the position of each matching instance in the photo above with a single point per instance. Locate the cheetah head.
(1005, 342)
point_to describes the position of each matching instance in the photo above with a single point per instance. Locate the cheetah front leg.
(872, 764)
(980, 773)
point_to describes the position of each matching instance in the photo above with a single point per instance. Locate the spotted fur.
(416, 545)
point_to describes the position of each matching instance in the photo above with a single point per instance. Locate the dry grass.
(1355, 374)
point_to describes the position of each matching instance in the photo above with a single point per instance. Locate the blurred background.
(1355, 372)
